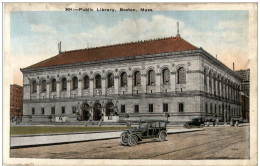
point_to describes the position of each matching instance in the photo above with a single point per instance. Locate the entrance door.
(85, 112)
(97, 112)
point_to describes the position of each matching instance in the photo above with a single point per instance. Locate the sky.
(34, 36)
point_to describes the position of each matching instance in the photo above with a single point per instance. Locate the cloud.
(229, 25)
(41, 28)
(129, 30)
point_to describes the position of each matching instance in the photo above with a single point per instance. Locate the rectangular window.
(33, 111)
(150, 107)
(122, 108)
(62, 110)
(136, 108)
(52, 110)
(42, 111)
(165, 107)
(181, 107)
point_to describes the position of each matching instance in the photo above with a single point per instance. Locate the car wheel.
(186, 126)
(132, 140)
(201, 125)
(162, 136)
(123, 140)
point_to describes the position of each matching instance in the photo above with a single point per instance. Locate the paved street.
(222, 142)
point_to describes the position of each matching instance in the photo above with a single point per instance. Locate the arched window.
(86, 82)
(210, 83)
(34, 87)
(205, 80)
(123, 79)
(137, 78)
(181, 76)
(206, 108)
(74, 83)
(64, 84)
(151, 77)
(53, 85)
(166, 76)
(43, 85)
(214, 84)
(98, 81)
(110, 80)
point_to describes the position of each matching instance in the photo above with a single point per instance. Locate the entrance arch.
(109, 108)
(85, 111)
(97, 112)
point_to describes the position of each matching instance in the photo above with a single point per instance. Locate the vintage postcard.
(130, 83)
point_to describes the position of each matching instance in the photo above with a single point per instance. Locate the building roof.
(171, 44)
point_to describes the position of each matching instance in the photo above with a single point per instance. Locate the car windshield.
(143, 125)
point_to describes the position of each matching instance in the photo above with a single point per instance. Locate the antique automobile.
(146, 129)
(195, 122)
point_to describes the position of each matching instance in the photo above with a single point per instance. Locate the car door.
(151, 127)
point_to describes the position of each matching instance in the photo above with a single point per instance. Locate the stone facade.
(183, 83)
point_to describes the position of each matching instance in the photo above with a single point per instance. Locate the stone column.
(130, 84)
(47, 89)
(220, 88)
(172, 81)
(38, 90)
(80, 87)
(58, 89)
(103, 85)
(91, 86)
(116, 84)
(209, 91)
(158, 82)
(143, 83)
(68, 88)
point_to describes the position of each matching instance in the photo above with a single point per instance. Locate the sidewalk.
(52, 139)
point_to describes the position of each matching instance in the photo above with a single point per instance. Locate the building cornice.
(219, 64)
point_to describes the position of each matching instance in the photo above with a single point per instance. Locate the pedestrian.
(217, 120)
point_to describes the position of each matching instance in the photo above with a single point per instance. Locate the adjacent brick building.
(16, 100)
(142, 79)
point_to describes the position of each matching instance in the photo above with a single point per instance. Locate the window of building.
(62, 110)
(122, 108)
(181, 107)
(33, 111)
(166, 76)
(205, 79)
(165, 107)
(74, 109)
(42, 111)
(98, 81)
(123, 79)
(181, 76)
(150, 107)
(86, 82)
(53, 85)
(206, 108)
(151, 77)
(215, 108)
(34, 87)
(52, 110)
(43, 85)
(110, 80)
(64, 84)
(74, 83)
(211, 108)
(136, 108)
(137, 78)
